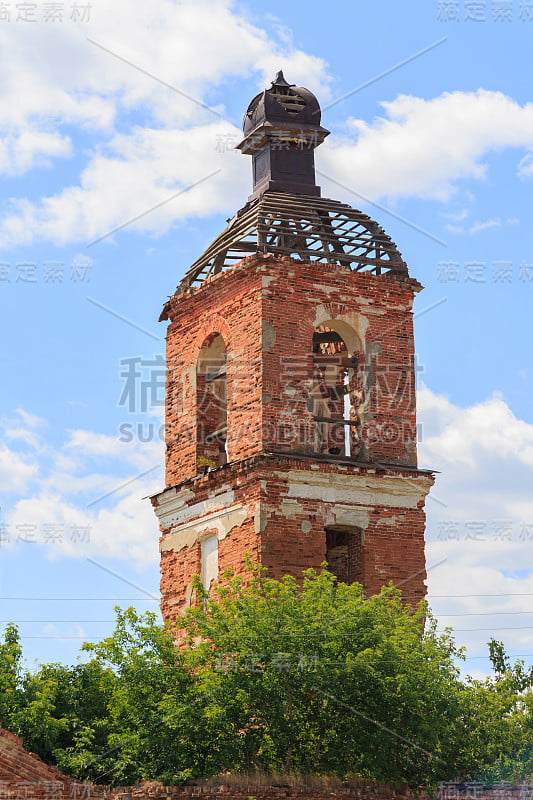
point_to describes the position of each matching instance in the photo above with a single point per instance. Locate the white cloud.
(92, 482)
(480, 520)
(423, 147)
(57, 80)
(420, 148)
(57, 77)
(92, 465)
(55, 74)
(126, 531)
(23, 435)
(29, 419)
(525, 167)
(477, 227)
(457, 216)
(135, 173)
(453, 435)
(483, 226)
(16, 470)
(85, 443)
(30, 148)
(17, 467)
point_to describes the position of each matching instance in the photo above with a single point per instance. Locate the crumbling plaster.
(364, 489)
(346, 499)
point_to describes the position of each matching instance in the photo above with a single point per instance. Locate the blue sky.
(433, 137)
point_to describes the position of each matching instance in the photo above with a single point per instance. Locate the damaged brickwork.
(267, 309)
(24, 775)
(253, 459)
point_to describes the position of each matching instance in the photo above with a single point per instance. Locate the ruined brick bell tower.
(291, 416)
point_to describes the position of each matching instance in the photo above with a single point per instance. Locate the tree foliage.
(308, 677)
(316, 678)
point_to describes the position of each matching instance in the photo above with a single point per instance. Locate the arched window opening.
(211, 404)
(209, 560)
(344, 553)
(337, 394)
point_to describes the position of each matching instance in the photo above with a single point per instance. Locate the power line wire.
(508, 628)
(369, 662)
(84, 599)
(107, 621)
(150, 600)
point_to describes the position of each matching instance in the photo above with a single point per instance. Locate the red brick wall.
(295, 298)
(23, 774)
(229, 304)
(294, 535)
(267, 310)
(178, 567)
(285, 530)
(152, 791)
(368, 790)
(362, 790)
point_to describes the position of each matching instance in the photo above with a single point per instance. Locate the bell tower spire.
(281, 131)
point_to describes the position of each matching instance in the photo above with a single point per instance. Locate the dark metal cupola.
(281, 129)
(286, 215)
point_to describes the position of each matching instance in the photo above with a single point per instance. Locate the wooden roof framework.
(301, 226)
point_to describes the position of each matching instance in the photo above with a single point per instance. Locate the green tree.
(63, 705)
(307, 677)
(317, 678)
(156, 729)
(10, 673)
(497, 727)
(55, 704)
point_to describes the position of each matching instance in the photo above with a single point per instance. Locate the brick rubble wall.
(368, 791)
(25, 775)
(17, 764)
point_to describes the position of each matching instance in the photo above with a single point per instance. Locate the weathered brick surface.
(364, 790)
(232, 308)
(25, 775)
(264, 501)
(367, 789)
(229, 486)
(296, 299)
(267, 309)
(17, 764)
(294, 538)
(285, 530)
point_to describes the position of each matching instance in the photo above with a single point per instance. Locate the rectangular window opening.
(344, 553)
